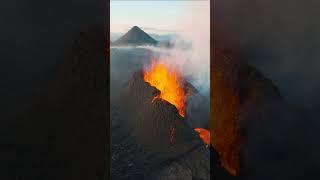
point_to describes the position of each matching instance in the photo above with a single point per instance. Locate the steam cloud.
(196, 26)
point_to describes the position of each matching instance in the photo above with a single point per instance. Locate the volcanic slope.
(141, 146)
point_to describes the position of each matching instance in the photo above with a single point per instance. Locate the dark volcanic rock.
(135, 36)
(153, 118)
(193, 165)
(141, 126)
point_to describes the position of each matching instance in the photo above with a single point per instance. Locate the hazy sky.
(153, 16)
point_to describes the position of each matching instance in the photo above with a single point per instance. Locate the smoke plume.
(196, 30)
(191, 51)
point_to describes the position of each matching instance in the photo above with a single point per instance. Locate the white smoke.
(191, 51)
(194, 61)
(196, 28)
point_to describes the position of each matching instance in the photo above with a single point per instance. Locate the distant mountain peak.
(135, 36)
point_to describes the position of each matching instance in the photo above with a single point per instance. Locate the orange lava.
(167, 79)
(204, 135)
(225, 110)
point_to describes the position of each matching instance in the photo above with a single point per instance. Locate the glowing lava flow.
(204, 135)
(166, 79)
(172, 135)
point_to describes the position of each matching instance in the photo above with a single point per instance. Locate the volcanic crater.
(155, 133)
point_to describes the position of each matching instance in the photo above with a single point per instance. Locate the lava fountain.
(204, 135)
(169, 81)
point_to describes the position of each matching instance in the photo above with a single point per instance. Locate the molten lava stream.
(167, 79)
(204, 135)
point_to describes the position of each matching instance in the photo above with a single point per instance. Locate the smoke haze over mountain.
(191, 51)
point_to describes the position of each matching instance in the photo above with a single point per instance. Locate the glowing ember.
(166, 79)
(172, 135)
(204, 135)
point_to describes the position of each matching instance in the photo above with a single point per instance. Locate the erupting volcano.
(170, 83)
(167, 79)
(154, 113)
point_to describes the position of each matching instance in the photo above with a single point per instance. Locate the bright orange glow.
(204, 135)
(166, 79)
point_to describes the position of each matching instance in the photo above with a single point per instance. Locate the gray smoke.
(279, 37)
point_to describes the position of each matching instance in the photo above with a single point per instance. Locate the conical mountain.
(135, 36)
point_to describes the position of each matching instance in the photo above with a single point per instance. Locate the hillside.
(135, 36)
